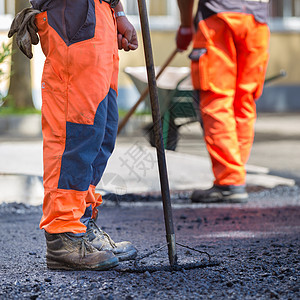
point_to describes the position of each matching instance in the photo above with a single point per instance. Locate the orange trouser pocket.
(199, 69)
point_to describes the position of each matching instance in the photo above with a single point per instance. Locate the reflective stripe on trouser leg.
(227, 115)
(77, 79)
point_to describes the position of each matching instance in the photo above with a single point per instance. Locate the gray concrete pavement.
(131, 169)
(276, 145)
(133, 165)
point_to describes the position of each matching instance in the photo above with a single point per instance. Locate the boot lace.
(97, 229)
(85, 247)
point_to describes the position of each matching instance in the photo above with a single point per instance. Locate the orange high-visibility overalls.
(79, 109)
(229, 62)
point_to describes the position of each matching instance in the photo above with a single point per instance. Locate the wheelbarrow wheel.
(170, 138)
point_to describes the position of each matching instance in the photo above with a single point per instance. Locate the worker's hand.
(127, 38)
(184, 37)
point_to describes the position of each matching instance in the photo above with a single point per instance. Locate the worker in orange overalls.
(228, 66)
(80, 39)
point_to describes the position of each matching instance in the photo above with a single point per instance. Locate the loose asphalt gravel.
(254, 251)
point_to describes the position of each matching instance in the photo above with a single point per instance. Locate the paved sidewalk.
(131, 169)
(133, 165)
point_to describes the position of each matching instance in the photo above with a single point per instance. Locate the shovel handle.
(144, 93)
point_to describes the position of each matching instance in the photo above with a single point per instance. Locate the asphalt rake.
(164, 182)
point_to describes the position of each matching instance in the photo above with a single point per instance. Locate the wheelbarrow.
(178, 104)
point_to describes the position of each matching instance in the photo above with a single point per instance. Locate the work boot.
(69, 252)
(102, 241)
(221, 194)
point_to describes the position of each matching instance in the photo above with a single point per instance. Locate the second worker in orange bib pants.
(228, 65)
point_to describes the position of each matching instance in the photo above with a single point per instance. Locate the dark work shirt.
(41, 5)
(258, 8)
(66, 16)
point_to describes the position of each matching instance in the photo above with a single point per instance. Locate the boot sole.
(127, 256)
(104, 266)
(238, 198)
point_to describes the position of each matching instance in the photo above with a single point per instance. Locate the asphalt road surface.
(254, 251)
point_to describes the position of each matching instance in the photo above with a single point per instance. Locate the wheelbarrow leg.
(170, 131)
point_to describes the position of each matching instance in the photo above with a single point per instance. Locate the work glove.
(127, 37)
(23, 25)
(184, 37)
